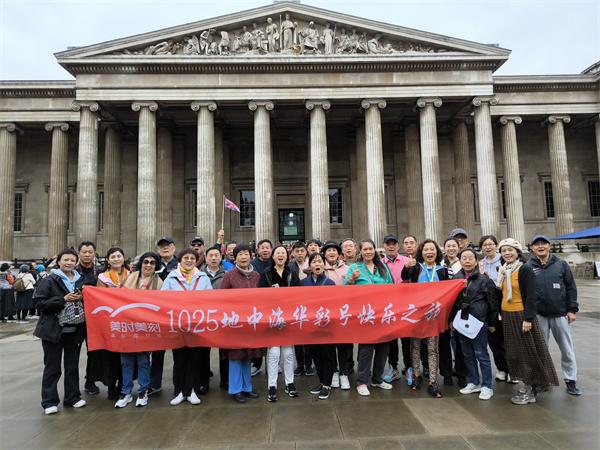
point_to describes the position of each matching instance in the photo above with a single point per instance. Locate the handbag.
(468, 327)
(71, 314)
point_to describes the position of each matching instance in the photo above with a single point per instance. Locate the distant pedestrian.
(24, 301)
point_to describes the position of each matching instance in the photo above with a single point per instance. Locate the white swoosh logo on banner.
(116, 312)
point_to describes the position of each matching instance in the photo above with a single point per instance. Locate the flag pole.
(223, 214)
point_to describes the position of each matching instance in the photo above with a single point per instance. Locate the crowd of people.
(512, 301)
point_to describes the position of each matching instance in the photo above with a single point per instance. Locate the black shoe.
(324, 393)
(290, 390)
(272, 395)
(91, 389)
(113, 393)
(239, 397)
(154, 390)
(299, 371)
(462, 382)
(448, 381)
(202, 390)
(316, 390)
(434, 390)
(416, 384)
(572, 387)
(250, 394)
(309, 371)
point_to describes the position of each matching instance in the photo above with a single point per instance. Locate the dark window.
(548, 199)
(100, 210)
(503, 199)
(336, 213)
(18, 219)
(193, 209)
(475, 201)
(594, 197)
(247, 208)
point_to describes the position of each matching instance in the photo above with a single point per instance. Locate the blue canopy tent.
(588, 233)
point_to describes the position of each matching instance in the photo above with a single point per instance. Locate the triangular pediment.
(282, 30)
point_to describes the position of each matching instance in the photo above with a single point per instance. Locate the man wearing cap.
(197, 243)
(461, 237)
(556, 301)
(395, 262)
(166, 250)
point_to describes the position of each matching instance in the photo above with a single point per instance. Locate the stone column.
(263, 171)
(489, 208)
(146, 201)
(430, 169)
(376, 218)
(206, 191)
(8, 170)
(164, 182)
(58, 195)
(112, 187)
(87, 172)
(465, 214)
(414, 184)
(319, 178)
(561, 187)
(597, 128)
(515, 221)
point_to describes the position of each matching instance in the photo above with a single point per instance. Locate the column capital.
(137, 106)
(555, 118)
(11, 127)
(254, 104)
(517, 120)
(478, 101)
(92, 106)
(212, 106)
(310, 104)
(64, 126)
(424, 101)
(368, 102)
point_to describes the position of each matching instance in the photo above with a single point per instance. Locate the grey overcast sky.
(546, 37)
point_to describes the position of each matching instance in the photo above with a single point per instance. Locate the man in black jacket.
(556, 301)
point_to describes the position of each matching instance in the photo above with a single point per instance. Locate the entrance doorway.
(291, 225)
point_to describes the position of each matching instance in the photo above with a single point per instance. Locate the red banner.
(124, 320)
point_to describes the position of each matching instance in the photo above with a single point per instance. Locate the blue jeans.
(239, 376)
(128, 361)
(475, 351)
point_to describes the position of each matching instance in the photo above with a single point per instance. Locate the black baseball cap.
(390, 237)
(540, 237)
(457, 232)
(165, 240)
(196, 240)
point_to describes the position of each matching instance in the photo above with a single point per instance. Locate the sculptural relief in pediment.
(286, 36)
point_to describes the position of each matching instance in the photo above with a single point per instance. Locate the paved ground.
(387, 420)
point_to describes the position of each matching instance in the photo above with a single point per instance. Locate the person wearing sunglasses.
(145, 277)
(197, 244)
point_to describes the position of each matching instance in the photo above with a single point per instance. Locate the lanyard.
(185, 288)
(431, 277)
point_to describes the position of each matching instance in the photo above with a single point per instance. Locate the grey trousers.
(365, 359)
(561, 330)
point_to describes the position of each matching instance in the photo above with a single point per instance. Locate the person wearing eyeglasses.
(146, 278)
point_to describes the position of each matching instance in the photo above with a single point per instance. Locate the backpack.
(19, 285)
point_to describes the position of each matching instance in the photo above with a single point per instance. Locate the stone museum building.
(315, 123)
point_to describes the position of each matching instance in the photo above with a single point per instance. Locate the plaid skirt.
(527, 354)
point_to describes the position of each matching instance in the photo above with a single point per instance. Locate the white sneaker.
(383, 385)
(80, 404)
(177, 400)
(344, 382)
(193, 399)
(363, 390)
(142, 399)
(50, 410)
(511, 380)
(501, 376)
(486, 393)
(470, 389)
(335, 381)
(254, 371)
(123, 401)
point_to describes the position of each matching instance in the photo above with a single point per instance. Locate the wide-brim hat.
(331, 244)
